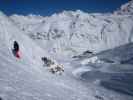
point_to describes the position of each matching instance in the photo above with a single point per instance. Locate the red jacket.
(18, 54)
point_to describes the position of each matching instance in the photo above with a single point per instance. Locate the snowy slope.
(113, 71)
(9, 32)
(67, 33)
(26, 79)
(73, 32)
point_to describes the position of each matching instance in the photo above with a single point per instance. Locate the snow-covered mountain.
(67, 33)
(73, 32)
(26, 78)
(126, 9)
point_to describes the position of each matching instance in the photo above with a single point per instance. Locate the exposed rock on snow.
(53, 66)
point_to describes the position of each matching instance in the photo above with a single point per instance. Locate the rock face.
(74, 32)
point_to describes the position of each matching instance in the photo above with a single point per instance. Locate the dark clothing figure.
(16, 46)
(16, 49)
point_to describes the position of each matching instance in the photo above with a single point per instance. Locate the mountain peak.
(126, 9)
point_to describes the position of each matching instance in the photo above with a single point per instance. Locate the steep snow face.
(126, 9)
(73, 32)
(25, 78)
(30, 53)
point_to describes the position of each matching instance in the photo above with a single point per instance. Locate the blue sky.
(48, 7)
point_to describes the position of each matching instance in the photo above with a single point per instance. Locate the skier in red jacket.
(16, 51)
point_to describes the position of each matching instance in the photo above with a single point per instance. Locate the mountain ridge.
(74, 32)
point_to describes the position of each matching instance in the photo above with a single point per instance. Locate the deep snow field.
(104, 74)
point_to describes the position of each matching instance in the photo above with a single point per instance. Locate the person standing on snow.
(16, 49)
